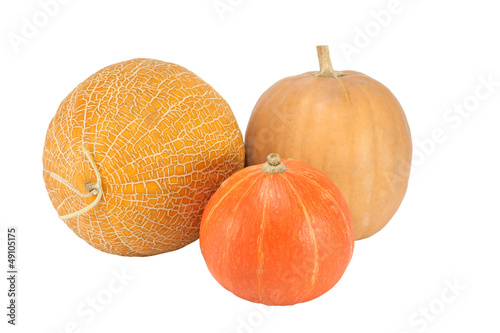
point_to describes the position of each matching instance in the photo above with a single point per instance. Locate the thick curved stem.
(325, 63)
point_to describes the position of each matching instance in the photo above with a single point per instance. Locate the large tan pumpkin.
(162, 140)
(347, 125)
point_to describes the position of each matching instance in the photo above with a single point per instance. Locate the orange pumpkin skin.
(350, 127)
(163, 141)
(277, 239)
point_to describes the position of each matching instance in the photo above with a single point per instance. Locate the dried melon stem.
(93, 188)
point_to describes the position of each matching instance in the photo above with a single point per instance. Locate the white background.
(432, 55)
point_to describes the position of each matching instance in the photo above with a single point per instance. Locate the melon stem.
(93, 188)
(273, 164)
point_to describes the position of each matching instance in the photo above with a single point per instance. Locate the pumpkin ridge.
(229, 225)
(374, 161)
(311, 232)
(231, 221)
(327, 193)
(346, 92)
(260, 242)
(209, 214)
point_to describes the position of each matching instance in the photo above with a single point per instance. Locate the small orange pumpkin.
(278, 233)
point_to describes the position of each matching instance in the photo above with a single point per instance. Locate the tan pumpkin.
(345, 124)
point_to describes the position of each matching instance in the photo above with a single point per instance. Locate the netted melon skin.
(163, 141)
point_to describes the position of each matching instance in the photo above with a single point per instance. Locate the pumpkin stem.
(325, 63)
(273, 164)
(93, 188)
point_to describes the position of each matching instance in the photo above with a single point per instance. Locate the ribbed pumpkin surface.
(163, 141)
(277, 239)
(348, 126)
